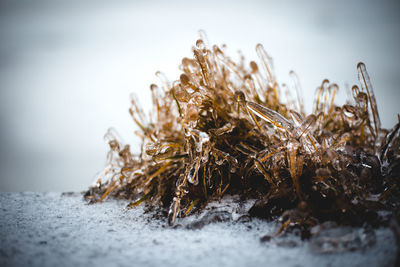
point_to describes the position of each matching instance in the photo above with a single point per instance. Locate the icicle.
(267, 63)
(366, 85)
(297, 87)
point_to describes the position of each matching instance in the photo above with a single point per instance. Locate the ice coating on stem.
(366, 85)
(296, 85)
(271, 116)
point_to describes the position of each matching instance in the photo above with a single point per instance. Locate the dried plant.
(229, 127)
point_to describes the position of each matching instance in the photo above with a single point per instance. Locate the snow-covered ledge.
(53, 229)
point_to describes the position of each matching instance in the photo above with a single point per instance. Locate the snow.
(53, 229)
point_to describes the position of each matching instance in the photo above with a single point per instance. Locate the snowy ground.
(52, 229)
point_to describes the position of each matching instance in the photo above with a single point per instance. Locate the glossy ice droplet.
(200, 44)
(203, 139)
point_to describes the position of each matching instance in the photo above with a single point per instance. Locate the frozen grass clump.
(227, 127)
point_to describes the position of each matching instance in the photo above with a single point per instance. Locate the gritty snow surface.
(53, 229)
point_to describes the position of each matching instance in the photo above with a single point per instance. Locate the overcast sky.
(67, 68)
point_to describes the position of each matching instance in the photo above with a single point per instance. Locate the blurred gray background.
(67, 68)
